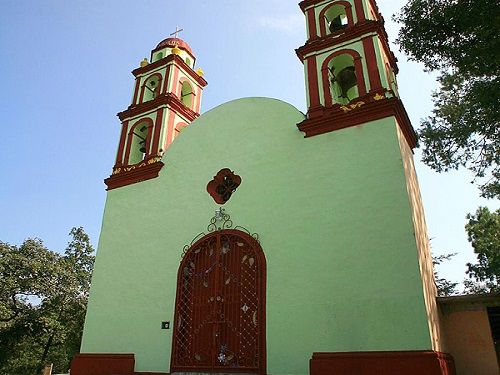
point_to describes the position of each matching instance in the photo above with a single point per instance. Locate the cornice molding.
(358, 30)
(131, 174)
(371, 107)
(167, 99)
(165, 61)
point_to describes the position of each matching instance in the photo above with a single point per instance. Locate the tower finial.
(176, 32)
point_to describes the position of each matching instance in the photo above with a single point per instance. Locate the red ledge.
(127, 175)
(387, 363)
(168, 59)
(346, 34)
(102, 364)
(163, 99)
(361, 110)
(307, 3)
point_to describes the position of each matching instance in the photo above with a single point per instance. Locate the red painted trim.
(168, 99)
(145, 170)
(358, 67)
(322, 19)
(160, 80)
(261, 261)
(175, 82)
(387, 363)
(311, 22)
(307, 3)
(170, 129)
(375, 9)
(123, 137)
(157, 131)
(102, 364)
(335, 118)
(360, 13)
(312, 81)
(136, 90)
(371, 63)
(169, 59)
(167, 76)
(145, 120)
(197, 107)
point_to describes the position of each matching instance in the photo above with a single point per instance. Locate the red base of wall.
(103, 364)
(349, 363)
(386, 363)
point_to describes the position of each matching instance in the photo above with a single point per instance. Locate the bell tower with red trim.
(167, 97)
(349, 68)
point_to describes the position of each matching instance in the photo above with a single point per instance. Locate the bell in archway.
(142, 147)
(346, 79)
(337, 24)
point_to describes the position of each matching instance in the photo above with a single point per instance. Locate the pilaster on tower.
(349, 68)
(167, 98)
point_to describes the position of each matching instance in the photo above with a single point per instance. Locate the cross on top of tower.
(176, 32)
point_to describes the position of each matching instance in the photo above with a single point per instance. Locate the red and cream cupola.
(167, 98)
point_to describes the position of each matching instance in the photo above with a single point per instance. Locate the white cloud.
(287, 24)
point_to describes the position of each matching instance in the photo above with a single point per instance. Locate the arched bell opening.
(158, 56)
(343, 79)
(219, 323)
(335, 18)
(151, 87)
(187, 94)
(139, 139)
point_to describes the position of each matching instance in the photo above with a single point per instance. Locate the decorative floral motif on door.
(220, 307)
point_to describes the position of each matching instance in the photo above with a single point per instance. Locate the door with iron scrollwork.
(220, 306)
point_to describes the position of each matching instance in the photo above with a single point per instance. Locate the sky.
(66, 69)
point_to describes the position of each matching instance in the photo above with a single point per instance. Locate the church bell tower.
(349, 68)
(167, 98)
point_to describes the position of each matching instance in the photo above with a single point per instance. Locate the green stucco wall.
(334, 221)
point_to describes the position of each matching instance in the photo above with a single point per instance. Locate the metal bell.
(337, 24)
(346, 80)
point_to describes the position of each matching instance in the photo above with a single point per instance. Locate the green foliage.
(444, 287)
(483, 230)
(43, 299)
(459, 39)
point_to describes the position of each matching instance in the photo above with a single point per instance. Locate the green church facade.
(333, 217)
(331, 196)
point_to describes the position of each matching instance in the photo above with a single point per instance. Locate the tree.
(483, 230)
(43, 298)
(460, 40)
(444, 287)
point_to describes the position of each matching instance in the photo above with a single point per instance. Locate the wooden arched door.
(219, 321)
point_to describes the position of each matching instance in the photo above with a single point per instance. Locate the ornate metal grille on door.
(219, 315)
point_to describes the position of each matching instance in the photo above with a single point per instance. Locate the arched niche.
(139, 141)
(151, 87)
(336, 71)
(335, 17)
(179, 127)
